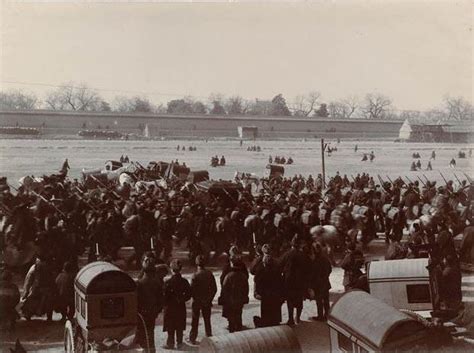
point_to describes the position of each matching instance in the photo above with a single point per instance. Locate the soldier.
(177, 292)
(429, 166)
(150, 302)
(203, 289)
(65, 168)
(234, 294)
(351, 264)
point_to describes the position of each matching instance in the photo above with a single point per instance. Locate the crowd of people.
(183, 148)
(281, 227)
(280, 160)
(218, 162)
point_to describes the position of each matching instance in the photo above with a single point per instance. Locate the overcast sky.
(413, 52)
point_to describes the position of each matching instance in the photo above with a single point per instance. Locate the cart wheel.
(69, 337)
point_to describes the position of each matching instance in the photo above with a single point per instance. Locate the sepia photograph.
(236, 176)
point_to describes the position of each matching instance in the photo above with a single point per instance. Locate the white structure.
(247, 131)
(403, 284)
(405, 131)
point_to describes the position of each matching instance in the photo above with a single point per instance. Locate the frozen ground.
(25, 157)
(38, 335)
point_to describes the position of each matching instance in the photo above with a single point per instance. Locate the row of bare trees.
(373, 106)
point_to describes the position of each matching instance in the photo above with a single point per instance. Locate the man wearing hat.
(269, 290)
(177, 292)
(150, 302)
(234, 293)
(296, 271)
(203, 289)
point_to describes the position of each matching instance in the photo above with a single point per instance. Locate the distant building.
(455, 131)
(248, 132)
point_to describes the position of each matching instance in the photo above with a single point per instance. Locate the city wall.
(70, 123)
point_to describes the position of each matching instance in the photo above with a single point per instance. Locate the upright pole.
(323, 147)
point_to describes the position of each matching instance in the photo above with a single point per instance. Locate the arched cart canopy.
(261, 340)
(372, 321)
(103, 278)
(398, 269)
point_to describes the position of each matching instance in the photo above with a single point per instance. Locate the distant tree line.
(73, 97)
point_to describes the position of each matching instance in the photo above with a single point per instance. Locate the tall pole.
(323, 147)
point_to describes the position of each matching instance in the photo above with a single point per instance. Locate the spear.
(49, 202)
(444, 178)
(424, 184)
(459, 181)
(105, 186)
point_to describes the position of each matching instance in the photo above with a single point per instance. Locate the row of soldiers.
(63, 218)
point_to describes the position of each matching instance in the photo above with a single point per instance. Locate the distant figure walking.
(433, 155)
(356, 148)
(418, 164)
(65, 168)
(452, 164)
(429, 167)
(413, 166)
(372, 156)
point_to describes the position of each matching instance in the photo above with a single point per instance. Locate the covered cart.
(359, 322)
(106, 309)
(403, 284)
(274, 171)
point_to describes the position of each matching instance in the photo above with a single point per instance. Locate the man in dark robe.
(269, 290)
(177, 292)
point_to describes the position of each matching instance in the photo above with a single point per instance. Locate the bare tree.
(71, 97)
(376, 106)
(304, 105)
(135, 104)
(18, 100)
(458, 108)
(343, 108)
(234, 105)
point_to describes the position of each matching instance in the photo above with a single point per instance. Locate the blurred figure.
(65, 292)
(203, 290)
(177, 292)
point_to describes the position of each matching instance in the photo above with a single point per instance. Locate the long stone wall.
(69, 123)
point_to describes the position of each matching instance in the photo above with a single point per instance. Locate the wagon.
(403, 284)
(105, 309)
(360, 323)
(274, 171)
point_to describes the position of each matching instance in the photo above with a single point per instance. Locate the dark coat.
(269, 289)
(64, 290)
(150, 295)
(203, 287)
(321, 269)
(177, 292)
(296, 271)
(235, 290)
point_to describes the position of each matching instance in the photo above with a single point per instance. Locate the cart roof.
(398, 269)
(369, 318)
(102, 277)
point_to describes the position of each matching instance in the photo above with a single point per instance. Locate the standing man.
(65, 168)
(234, 294)
(177, 292)
(321, 269)
(150, 302)
(203, 290)
(295, 270)
(269, 290)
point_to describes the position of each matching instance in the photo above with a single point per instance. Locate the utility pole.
(323, 148)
